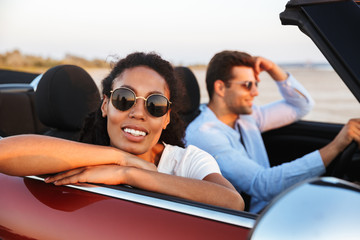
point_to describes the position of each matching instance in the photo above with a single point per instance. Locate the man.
(230, 127)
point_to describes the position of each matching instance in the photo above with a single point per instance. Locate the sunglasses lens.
(123, 99)
(157, 105)
(249, 84)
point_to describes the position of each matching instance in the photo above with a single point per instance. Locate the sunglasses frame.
(247, 84)
(145, 100)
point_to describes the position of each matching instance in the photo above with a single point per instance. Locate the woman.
(132, 141)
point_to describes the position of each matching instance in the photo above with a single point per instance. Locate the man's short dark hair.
(220, 67)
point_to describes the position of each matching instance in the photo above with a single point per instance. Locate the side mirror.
(322, 208)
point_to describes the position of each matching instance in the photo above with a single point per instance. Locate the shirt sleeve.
(199, 163)
(296, 103)
(189, 162)
(248, 176)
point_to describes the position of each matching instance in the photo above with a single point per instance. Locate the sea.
(334, 102)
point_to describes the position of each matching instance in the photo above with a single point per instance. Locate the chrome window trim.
(36, 81)
(165, 204)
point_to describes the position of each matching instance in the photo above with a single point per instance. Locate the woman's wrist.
(131, 175)
(118, 157)
(129, 160)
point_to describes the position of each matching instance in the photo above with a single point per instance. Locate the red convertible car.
(323, 208)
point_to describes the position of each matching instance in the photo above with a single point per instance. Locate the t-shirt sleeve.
(189, 162)
(197, 163)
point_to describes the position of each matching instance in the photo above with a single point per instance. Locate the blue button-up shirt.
(248, 168)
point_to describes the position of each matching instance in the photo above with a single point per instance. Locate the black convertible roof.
(334, 26)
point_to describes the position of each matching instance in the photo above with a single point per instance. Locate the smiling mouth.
(134, 132)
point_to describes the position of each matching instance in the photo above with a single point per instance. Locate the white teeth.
(134, 132)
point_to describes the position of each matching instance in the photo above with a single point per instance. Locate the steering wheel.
(341, 165)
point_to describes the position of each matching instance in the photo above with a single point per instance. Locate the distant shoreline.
(299, 65)
(17, 61)
(306, 65)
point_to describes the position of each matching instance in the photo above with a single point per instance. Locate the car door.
(32, 209)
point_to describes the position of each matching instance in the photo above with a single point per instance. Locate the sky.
(184, 32)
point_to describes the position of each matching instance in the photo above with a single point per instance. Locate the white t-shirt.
(190, 162)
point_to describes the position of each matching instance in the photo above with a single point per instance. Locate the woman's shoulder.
(189, 151)
(187, 162)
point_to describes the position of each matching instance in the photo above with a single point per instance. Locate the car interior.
(62, 100)
(17, 104)
(66, 94)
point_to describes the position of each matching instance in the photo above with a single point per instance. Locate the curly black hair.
(95, 126)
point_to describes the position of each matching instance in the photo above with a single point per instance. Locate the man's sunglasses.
(247, 84)
(124, 98)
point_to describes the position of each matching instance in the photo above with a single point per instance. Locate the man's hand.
(350, 132)
(263, 64)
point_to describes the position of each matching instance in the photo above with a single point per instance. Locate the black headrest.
(66, 94)
(191, 98)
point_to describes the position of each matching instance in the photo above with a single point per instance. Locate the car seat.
(191, 96)
(65, 95)
(17, 107)
(17, 110)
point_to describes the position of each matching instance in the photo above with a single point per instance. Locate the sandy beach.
(334, 101)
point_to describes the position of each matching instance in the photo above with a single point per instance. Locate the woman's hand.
(129, 160)
(104, 174)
